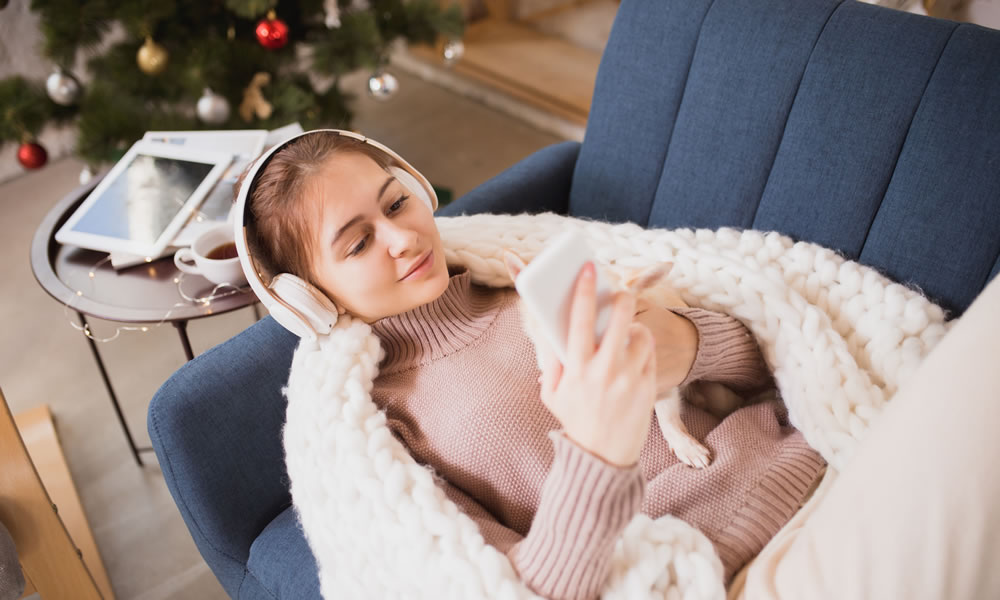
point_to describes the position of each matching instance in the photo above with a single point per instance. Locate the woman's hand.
(675, 341)
(603, 396)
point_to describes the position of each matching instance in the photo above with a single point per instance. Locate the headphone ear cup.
(291, 321)
(411, 182)
(309, 307)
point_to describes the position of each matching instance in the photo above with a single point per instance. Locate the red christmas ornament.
(272, 33)
(32, 155)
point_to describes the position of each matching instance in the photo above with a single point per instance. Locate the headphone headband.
(308, 313)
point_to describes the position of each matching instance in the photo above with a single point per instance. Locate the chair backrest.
(868, 130)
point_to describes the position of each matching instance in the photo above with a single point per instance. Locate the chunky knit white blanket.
(839, 337)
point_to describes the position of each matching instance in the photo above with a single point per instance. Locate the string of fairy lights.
(188, 301)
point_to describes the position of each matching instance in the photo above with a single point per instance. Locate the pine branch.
(211, 43)
(424, 20)
(118, 66)
(356, 43)
(25, 109)
(250, 9)
(71, 25)
(140, 17)
(225, 66)
(111, 120)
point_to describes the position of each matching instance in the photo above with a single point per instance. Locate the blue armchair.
(868, 130)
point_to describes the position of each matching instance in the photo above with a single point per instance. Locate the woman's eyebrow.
(356, 218)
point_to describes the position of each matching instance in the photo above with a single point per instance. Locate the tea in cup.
(213, 256)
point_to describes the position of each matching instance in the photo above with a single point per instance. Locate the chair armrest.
(537, 183)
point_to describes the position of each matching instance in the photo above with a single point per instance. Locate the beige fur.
(650, 289)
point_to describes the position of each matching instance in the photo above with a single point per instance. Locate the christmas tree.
(208, 64)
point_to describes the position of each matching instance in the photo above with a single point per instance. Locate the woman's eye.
(360, 246)
(397, 205)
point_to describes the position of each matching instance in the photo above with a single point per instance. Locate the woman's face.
(372, 232)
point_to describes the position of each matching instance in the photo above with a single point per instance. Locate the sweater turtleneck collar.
(441, 327)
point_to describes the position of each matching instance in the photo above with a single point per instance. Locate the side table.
(139, 294)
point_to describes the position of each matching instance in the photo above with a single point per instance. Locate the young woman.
(552, 465)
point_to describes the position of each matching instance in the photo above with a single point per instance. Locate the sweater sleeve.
(585, 504)
(727, 352)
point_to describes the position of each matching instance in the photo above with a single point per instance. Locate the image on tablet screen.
(140, 203)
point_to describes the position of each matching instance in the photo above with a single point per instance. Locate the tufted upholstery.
(861, 128)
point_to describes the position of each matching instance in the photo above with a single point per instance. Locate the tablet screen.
(145, 197)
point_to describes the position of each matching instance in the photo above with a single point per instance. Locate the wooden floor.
(545, 70)
(143, 542)
(56, 546)
(548, 59)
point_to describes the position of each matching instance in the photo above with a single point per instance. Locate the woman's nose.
(399, 239)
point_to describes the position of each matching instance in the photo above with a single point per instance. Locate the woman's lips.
(422, 268)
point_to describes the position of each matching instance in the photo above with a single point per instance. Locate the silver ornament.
(382, 85)
(212, 108)
(62, 88)
(86, 175)
(453, 50)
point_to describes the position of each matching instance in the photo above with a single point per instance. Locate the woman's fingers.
(617, 334)
(637, 354)
(548, 359)
(640, 346)
(546, 355)
(550, 381)
(580, 341)
(650, 364)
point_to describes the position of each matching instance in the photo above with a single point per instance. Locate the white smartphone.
(546, 288)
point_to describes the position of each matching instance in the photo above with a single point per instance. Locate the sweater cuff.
(727, 351)
(585, 504)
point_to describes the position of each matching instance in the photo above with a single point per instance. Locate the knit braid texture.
(839, 337)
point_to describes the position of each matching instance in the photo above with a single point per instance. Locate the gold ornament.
(254, 102)
(152, 57)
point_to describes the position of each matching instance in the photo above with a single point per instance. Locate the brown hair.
(276, 222)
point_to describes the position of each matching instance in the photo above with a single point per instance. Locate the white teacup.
(213, 256)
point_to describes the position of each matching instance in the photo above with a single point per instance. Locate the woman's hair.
(277, 223)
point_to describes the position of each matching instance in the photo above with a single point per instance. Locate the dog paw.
(690, 451)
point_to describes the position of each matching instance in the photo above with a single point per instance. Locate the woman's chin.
(441, 277)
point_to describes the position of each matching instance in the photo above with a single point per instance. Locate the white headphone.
(298, 306)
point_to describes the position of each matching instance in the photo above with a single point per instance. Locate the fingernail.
(588, 269)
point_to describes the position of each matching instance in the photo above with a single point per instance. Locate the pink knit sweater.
(459, 385)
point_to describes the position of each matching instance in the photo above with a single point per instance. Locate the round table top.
(146, 293)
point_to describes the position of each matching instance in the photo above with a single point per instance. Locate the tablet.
(244, 144)
(143, 202)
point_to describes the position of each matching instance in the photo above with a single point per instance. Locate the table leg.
(182, 331)
(256, 310)
(111, 392)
